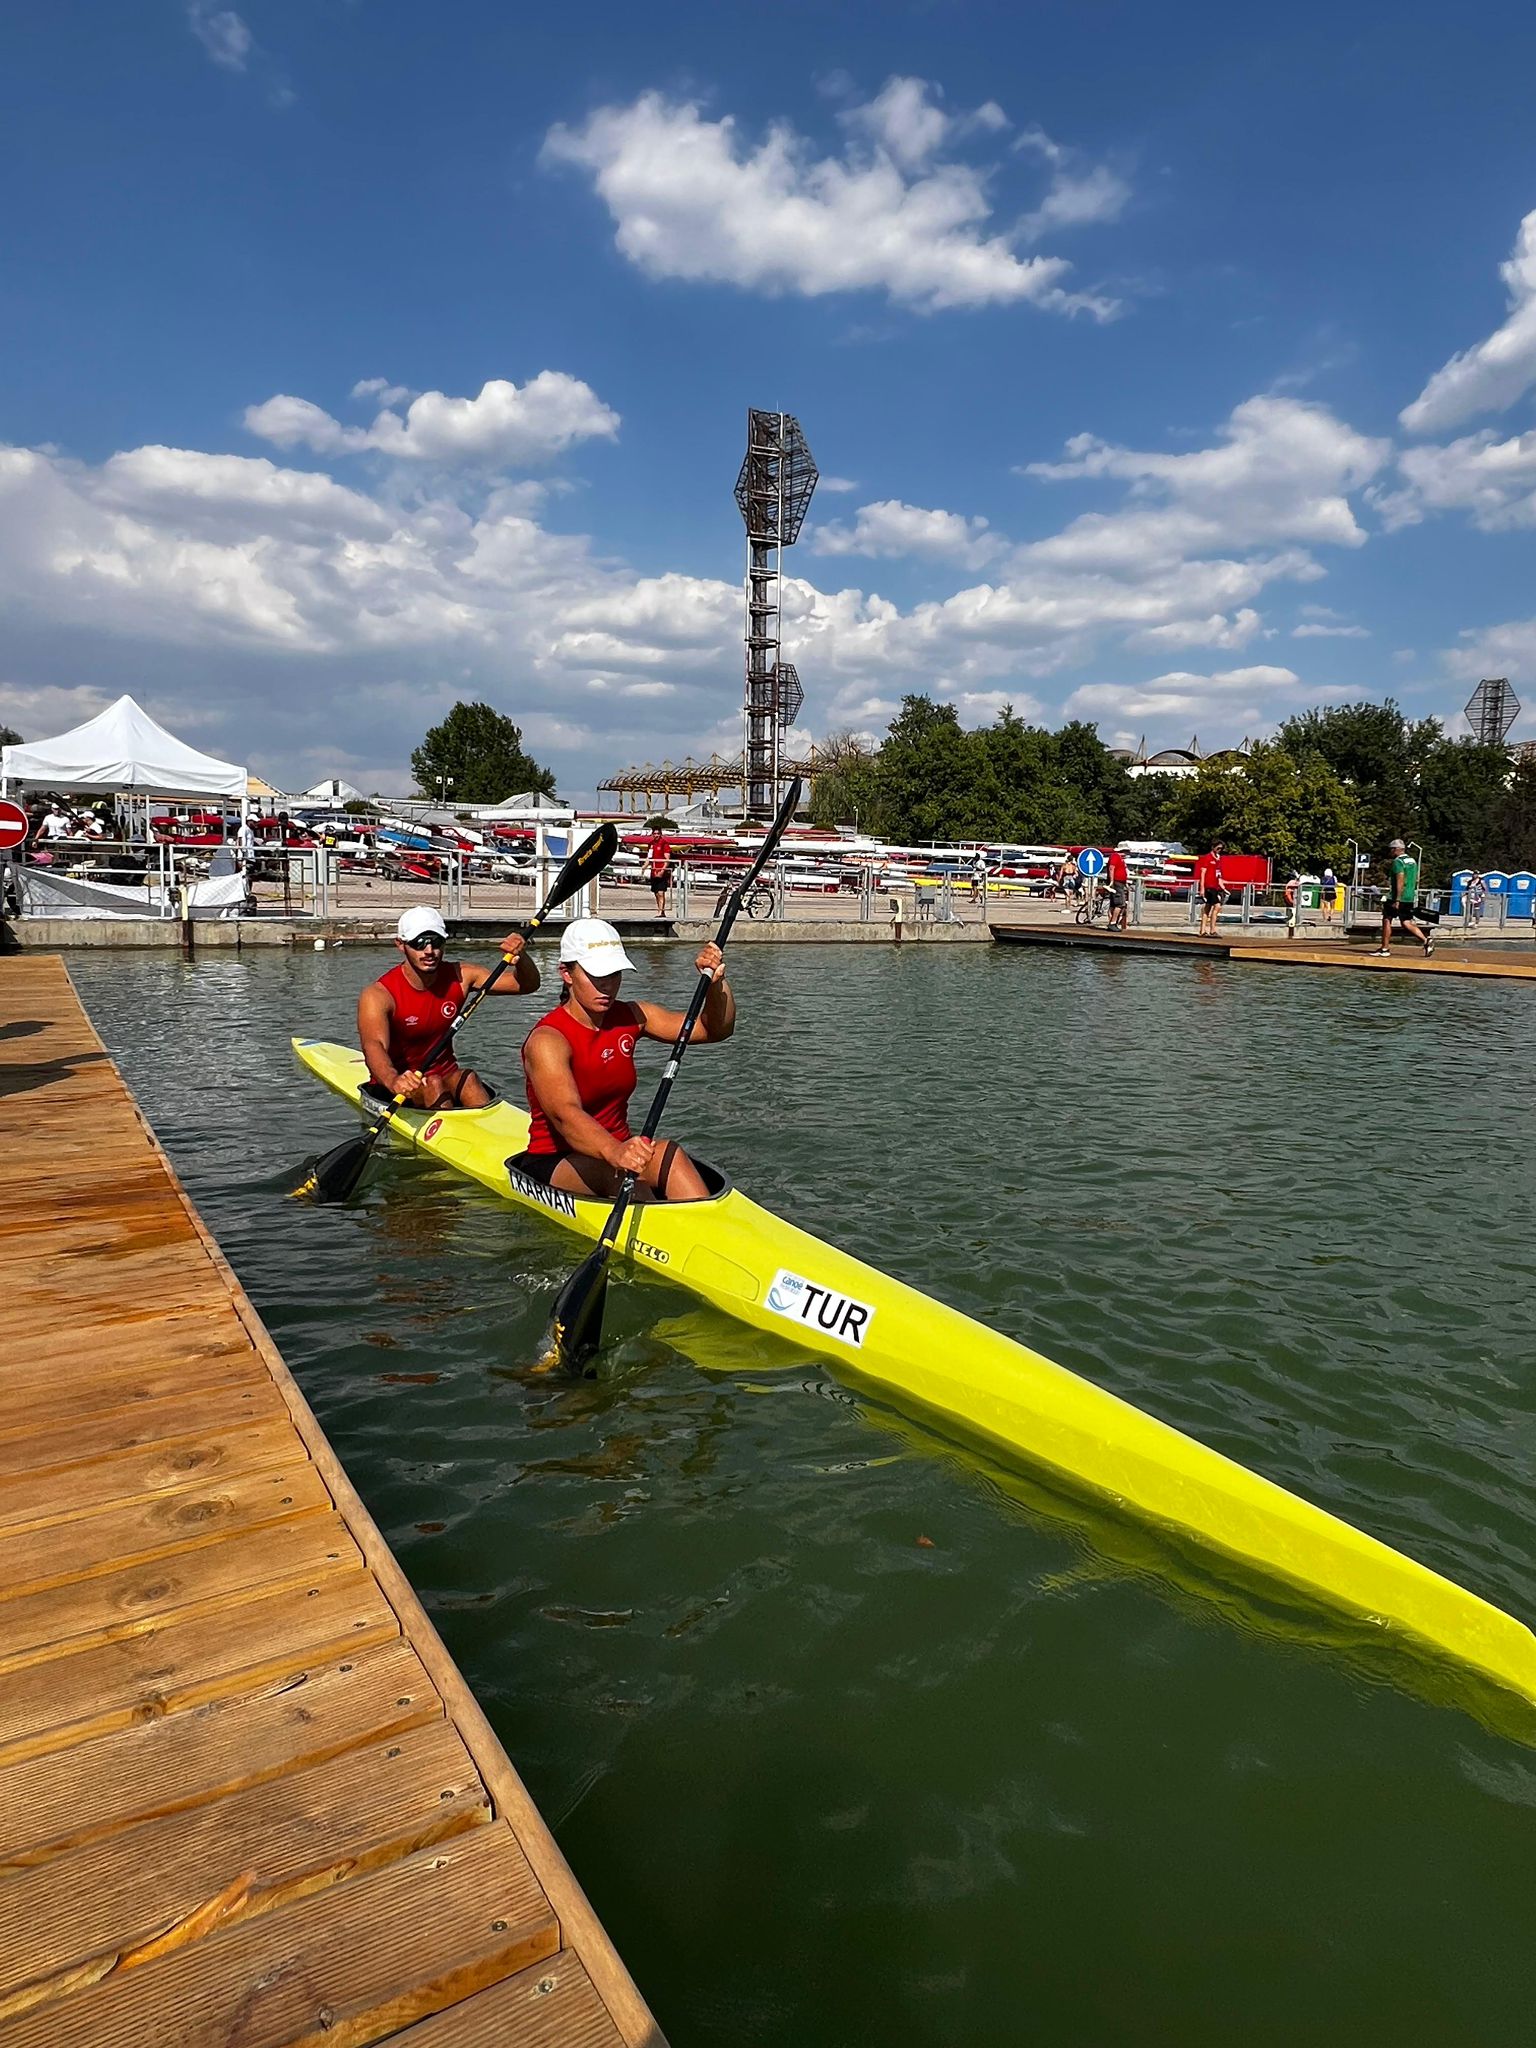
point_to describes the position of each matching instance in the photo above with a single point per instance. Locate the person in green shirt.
(1401, 900)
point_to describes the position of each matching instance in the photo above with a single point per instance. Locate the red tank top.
(603, 1063)
(420, 1019)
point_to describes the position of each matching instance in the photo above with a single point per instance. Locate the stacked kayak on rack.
(774, 1277)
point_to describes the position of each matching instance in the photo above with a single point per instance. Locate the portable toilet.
(1522, 893)
(1460, 882)
(1496, 883)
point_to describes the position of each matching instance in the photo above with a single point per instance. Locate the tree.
(480, 752)
(9, 736)
(846, 791)
(1376, 750)
(1299, 813)
(931, 778)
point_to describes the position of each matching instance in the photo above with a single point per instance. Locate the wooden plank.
(169, 1668)
(167, 1465)
(167, 1766)
(36, 1628)
(134, 1532)
(75, 1918)
(37, 1407)
(341, 1970)
(222, 1408)
(32, 1377)
(551, 2005)
(149, 1341)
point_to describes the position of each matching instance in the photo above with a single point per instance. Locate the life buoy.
(1290, 890)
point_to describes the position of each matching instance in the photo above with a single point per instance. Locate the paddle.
(333, 1178)
(577, 1324)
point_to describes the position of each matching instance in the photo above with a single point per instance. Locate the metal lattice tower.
(773, 492)
(1492, 709)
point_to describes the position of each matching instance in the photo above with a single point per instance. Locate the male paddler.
(402, 1015)
(580, 1066)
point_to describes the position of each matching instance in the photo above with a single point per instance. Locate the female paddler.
(580, 1067)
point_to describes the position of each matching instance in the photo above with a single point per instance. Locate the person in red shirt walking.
(401, 1016)
(580, 1066)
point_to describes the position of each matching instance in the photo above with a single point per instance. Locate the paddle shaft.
(691, 1016)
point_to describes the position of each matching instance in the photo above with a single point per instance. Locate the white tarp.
(47, 892)
(122, 749)
(531, 808)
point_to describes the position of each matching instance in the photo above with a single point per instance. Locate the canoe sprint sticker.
(432, 1130)
(800, 1300)
(535, 1191)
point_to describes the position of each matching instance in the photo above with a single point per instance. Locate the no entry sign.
(13, 825)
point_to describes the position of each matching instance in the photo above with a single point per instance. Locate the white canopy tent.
(122, 750)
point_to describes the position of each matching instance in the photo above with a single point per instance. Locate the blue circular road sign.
(1091, 861)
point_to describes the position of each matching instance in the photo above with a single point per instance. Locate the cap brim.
(604, 960)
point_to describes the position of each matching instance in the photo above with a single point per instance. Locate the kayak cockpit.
(534, 1190)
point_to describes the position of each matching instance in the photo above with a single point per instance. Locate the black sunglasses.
(433, 943)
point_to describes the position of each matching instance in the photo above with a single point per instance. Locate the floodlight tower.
(1492, 709)
(773, 491)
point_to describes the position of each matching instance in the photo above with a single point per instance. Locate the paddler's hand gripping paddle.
(333, 1178)
(576, 1328)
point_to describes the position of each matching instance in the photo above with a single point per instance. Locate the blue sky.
(1166, 367)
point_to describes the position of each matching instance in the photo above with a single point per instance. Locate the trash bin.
(1311, 893)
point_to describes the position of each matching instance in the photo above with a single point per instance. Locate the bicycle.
(1093, 909)
(758, 902)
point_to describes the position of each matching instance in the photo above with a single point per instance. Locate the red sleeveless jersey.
(603, 1063)
(420, 1019)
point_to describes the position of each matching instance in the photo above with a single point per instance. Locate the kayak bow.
(767, 1273)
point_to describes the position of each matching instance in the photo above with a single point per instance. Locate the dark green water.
(826, 1783)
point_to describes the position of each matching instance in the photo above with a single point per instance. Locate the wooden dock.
(1264, 951)
(245, 1794)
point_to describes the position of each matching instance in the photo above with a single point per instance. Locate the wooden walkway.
(1266, 952)
(245, 1795)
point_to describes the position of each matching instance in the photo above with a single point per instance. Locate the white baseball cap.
(592, 942)
(414, 924)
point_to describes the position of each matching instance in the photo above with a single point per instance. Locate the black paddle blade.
(332, 1177)
(576, 1327)
(589, 859)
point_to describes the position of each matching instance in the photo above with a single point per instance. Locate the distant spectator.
(1476, 898)
(1330, 894)
(1401, 900)
(1211, 890)
(660, 871)
(56, 824)
(245, 842)
(1118, 876)
(979, 879)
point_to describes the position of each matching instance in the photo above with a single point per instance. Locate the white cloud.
(1281, 471)
(1230, 703)
(1315, 629)
(891, 528)
(1079, 195)
(381, 389)
(1217, 630)
(692, 199)
(222, 34)
(1493, 480)
(508, 425)
(1498, 370)
(836, 483)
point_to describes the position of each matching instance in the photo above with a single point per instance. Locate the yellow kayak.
(776, 1278)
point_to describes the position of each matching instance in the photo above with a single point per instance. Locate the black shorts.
(1403, 912)
(539, 1166)
(1119, 895)
(1211, 899)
